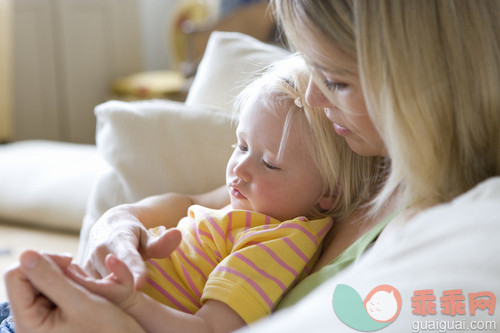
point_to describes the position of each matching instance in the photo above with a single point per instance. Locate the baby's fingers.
(95, 286)
(120, 272)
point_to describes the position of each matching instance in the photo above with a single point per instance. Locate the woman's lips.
(341, 130)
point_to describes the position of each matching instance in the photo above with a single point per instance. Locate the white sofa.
(142, 148)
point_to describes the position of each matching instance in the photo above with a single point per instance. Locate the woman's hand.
(122, 231)
(44, 300)
(123, 235)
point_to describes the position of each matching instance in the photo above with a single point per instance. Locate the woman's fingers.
(44, 300)
(23, 298)
(124, 242)
(61, 260)
(132, 245)
(46, 276)
(35, 288)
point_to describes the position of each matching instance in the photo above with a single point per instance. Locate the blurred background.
(61, 58)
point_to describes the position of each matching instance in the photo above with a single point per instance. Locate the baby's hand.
(118, 287)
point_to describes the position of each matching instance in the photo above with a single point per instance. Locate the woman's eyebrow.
(334, 71)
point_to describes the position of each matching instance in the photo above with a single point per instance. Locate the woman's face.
(341, 82)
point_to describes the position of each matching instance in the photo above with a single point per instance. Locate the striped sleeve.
(264, 262)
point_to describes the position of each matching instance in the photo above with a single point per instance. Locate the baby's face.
(257, 180)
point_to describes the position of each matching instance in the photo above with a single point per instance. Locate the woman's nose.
(315, 97)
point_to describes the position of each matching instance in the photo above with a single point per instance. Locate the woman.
(416, 82)
(405, 87)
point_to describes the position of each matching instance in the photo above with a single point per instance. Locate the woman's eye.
(270, 166)
(335, 86)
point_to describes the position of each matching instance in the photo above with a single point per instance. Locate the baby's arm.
(118, 287)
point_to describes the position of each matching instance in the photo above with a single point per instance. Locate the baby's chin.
(238, 204)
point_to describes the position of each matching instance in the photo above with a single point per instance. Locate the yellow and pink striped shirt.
(244, 259)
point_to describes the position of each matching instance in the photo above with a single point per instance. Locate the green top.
(347, 257)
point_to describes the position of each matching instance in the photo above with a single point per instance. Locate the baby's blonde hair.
(349, 178)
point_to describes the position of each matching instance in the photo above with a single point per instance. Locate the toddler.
(289, 178)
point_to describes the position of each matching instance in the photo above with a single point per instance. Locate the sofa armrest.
(46, 183)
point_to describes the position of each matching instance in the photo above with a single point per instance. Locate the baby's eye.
(270, 166)
(239, 146)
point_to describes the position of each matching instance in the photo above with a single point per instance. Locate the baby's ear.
(326, 202)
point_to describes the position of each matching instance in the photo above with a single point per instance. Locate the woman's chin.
(364, 148)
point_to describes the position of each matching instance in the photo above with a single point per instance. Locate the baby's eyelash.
(239, 146)
(270, 166)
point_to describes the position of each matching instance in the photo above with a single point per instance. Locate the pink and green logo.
(379, 308)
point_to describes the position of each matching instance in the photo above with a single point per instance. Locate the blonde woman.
(417, 82)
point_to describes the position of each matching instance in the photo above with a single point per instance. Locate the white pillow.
(47, 183)
(155, 147)
(230, 62)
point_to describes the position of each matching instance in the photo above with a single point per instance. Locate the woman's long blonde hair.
(349, 178)
(430, 72)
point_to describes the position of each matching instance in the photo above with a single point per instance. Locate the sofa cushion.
(231, 60)
(155, 147)
(47, 183)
